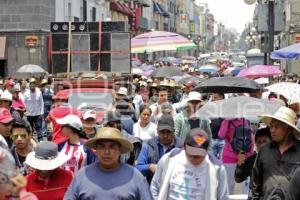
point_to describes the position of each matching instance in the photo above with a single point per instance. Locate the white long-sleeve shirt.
(34, 102)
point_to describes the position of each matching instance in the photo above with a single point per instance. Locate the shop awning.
(126, 10)
(3, 55)
(157, 8)
(115, 6)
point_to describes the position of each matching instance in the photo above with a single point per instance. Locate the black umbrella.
(167, 72)
(195, 79)
(228, 85)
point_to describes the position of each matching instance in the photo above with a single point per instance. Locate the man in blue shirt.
(155, 148)
(108, 178)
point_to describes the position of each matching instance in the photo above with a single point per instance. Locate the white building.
(82, 10)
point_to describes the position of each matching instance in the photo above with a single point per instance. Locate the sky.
(233, 13)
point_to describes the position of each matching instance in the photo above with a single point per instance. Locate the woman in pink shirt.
(229, 156)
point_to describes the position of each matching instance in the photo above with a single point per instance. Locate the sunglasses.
(16, 136)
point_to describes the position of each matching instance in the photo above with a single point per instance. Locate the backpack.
(241, 140)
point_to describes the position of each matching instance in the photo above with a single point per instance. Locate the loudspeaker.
(115, 62)
(85, 37)
(92, 27)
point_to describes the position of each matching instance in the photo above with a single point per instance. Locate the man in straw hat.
(48, 181)
(276, 161)
(108, 178)
(190, 173)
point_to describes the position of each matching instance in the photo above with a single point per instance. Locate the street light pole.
(271, 27)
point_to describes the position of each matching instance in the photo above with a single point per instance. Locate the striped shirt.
(77, 155)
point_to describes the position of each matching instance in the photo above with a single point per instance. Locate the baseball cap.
(197, 143)
(9, 82)
(89, 114)
(5, 116)
(123, 91)
(166, 122)
(71, 120)
(194, 96)
(6, 96)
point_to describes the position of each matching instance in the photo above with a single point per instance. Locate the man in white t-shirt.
(190, 173)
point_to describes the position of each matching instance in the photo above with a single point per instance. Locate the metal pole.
(69, 49)
(271, 29)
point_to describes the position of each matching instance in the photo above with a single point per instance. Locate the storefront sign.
(31, 41)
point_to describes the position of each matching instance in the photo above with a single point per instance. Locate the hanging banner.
(184, 20)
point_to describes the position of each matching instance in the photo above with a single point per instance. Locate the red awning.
(116, 6)
(126, 10)
(3, 55)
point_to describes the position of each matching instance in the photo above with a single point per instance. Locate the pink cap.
(5, 116)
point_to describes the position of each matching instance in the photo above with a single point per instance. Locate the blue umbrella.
(290, 52)
(236, 71)
(208, 69)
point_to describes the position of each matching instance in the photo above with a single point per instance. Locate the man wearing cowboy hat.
(34, 103)
(108, 178)
(276, 161)
(47, 93)
(48, 181)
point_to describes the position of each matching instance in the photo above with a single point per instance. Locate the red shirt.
(57, 113)
(54, 188)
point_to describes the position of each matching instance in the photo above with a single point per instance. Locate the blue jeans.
(217, 146)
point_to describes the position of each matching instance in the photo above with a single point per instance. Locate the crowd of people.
(150, 145)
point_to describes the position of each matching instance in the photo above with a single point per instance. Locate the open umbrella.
(238, 107)
(167, 72)
(286, 89)
(160, 41)
(227, 85)
(232, 71)
(208, 69)
(136, 71)
(195, 79)
(290, 52)
(31, 69)
(258, 71)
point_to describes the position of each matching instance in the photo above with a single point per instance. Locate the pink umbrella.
(259, 71)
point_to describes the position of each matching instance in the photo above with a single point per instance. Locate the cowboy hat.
(107, 133)
(46, 157)
(285, 115)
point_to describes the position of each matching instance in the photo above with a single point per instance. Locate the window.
(84, 10)
(93, 14)
(81, 13)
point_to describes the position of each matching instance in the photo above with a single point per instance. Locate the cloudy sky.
(233, 13)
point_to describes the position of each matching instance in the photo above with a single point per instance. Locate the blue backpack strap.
(174, 152)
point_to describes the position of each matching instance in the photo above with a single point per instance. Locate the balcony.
(144, 24)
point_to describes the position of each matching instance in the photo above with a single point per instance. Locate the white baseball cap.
(6, 96)
(89, 114)
(71, 120)
(123, 91)
(194, 96)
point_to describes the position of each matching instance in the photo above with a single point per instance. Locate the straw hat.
(285, 115)
(46, 157)
(44, 81)
(113, 134)
(168, 83)
(32, 80)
